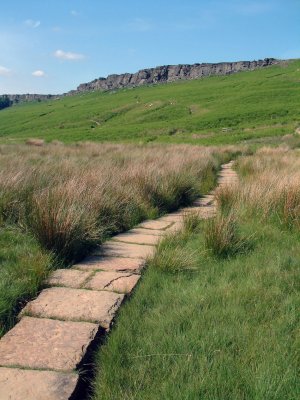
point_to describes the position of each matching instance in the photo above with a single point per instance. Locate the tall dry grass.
(270, 187)
(71, 197)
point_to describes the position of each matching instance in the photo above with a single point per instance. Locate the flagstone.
(119, 249)
(46, 344)
(96, 263)
(68, 277)
(116, 281)
(20, 384)
(75, 305)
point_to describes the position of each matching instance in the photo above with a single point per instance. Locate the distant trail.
(40, 358)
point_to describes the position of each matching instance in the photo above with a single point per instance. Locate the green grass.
(224, 331)
(250, 105)
(23, 267)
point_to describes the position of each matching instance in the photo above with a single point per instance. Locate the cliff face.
(20, 98)
(171, 73)
(167, 73)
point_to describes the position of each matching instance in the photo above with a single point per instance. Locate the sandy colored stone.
(46, 344)
(96, 263)
(75, 305)
(174, 217)
(120, 282)
(68, 277)
(174, 228)
(119, 249)
(155, 224)
(20, 384)
(151, 232)
(130, 237)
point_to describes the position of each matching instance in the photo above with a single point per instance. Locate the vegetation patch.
(247, 106)
(58, 202)
(227, 327)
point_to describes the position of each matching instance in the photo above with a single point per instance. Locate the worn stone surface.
(119, 249)
(75, 305)
(151, 232)
(155, 224)
(20, 384)
(131, 237)
(46, 344)
(96, 263)
(68, 277)
(120, 282)
(174, 228)
(174, 217)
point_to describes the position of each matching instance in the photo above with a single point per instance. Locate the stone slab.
(130, 237)
(20, 384)
(96, 263)
(46, 344)
(68, 277)
(174, 217)
(118, 249)
(116, 281)
(155, 224)
(75, 305)
(151, 232)
(174, 228)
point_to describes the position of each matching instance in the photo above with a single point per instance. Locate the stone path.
(41, 356)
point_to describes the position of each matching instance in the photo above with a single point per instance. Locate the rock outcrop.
(171, 73)
(20, 98)
(163, 74)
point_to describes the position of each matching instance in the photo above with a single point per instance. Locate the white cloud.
(32, 24)
(4, 71)
(140, 25)
(249, 8)
(39, 73)
(74, 13)
(68, 55)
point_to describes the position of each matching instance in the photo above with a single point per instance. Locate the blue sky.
(52, 46)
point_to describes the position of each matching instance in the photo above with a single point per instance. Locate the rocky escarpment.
(171, 73)
(20, 98)
(163, 74)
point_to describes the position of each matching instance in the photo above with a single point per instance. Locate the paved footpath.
(40, 358)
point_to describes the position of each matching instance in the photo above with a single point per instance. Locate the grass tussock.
(172, 256)
(72, 197)
(271, 185)
(191, 222)
(222, 237)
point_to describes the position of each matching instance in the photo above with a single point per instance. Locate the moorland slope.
(234, 108)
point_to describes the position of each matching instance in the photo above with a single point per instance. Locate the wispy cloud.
(68, 55)
(252, 8)
(140, 25)
(32, 24)
(4, 71)
(39, 73)
(56, 29)
(74, 13)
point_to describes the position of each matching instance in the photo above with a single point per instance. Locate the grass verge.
(224, 331)
(23, 267)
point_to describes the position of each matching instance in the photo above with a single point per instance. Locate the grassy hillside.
(214, 110)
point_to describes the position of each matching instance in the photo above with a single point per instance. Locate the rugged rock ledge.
(20, 98)
(163, 74)
(171, 73)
